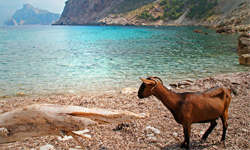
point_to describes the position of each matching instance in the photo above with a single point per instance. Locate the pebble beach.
(159, 131)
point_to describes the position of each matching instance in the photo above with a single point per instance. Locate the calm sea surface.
(41, 60)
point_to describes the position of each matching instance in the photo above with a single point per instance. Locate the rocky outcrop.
(244, 49)
(234, 17)
(29, 15)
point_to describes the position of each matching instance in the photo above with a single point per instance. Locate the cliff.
(85, 12)
(29, 15)
(212, 13)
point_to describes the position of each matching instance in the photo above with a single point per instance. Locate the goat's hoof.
(203, 139)
(184, 145)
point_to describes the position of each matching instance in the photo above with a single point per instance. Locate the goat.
(191, 107)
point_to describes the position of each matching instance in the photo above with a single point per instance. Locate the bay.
(43, 60)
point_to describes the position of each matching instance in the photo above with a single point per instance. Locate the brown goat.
(191, 107)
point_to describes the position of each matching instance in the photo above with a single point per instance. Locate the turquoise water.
(41, 60)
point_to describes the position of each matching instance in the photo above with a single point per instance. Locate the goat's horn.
(148, 76)
(155, 84)
(158, 79)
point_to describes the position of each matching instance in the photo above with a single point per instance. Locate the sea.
(49, 60)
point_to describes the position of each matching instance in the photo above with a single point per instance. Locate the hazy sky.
(9, 7)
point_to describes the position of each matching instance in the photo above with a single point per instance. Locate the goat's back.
(208, 105)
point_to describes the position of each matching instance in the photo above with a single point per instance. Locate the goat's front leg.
(186, 130)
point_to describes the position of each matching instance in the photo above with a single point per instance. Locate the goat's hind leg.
(209, 130)
(224, 122)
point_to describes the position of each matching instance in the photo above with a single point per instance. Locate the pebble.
(129, 90)
(175, 134)
(150, 135)
(156, 131)
(152, 139)
(201, 132)
(245, 130)
(47, 147)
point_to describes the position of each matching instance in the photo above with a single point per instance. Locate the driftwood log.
(46, 119)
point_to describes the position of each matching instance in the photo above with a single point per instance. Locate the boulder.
(244, 59)
(226, 30)
(197, 31)
(244, 49)
(244, 44)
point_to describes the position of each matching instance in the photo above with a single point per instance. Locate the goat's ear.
(146, 81)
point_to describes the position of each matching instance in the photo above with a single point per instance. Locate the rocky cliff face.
(29, 15)
(81, 12)
(234, 16)
(221, 13)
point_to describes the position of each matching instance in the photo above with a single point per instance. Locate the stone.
(47, 147)
(175, 134)
(197, 31)
(244, 59)
(244, 44)
(154, 130)
(244, 49)
(226, 30)
(201, 132)
(129, 90)
(152, 139)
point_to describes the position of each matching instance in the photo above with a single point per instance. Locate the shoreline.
(109, 91)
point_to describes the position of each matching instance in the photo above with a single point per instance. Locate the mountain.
(156, 12)
(29, 15)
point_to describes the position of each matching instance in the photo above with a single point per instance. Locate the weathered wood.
(46, 119)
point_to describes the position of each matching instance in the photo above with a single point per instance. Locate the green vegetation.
(173, 9)
(145, 15)
(129, 5)
(201, 8)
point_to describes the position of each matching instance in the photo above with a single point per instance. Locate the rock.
(150, 135)
(47, 147)
(244, 130)
(201, 132)
(154, 130)
(197, 31)
(244, 59)
(244, 49)
(175, 134)
(129, 90)
(226, 30)
(244, 44)
(152, 139)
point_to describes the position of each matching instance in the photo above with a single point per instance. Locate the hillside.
(216, 13)
(29, 15)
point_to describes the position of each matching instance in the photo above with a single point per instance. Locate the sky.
(9, 7)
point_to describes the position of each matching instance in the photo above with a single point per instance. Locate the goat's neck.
(167, 97)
